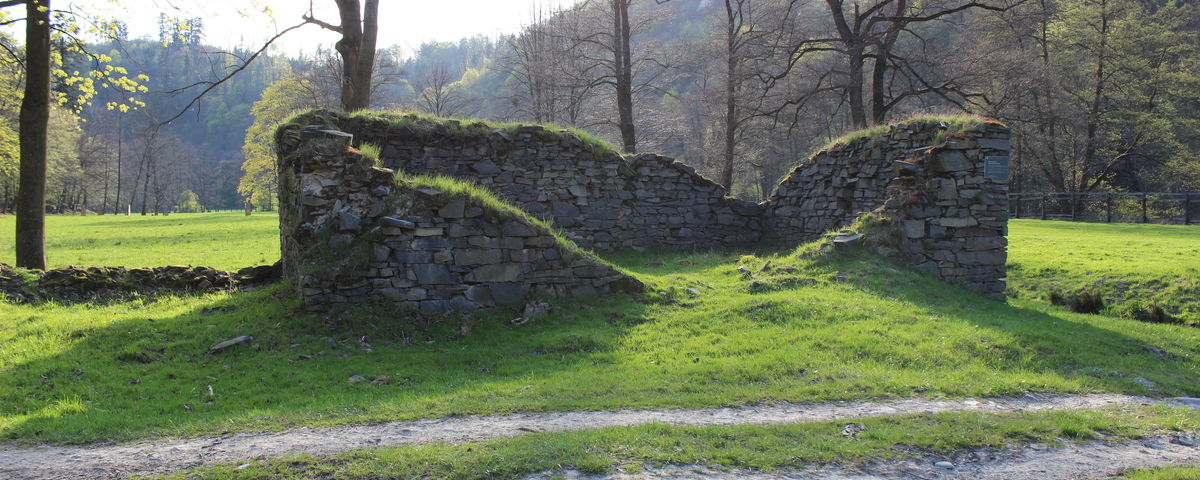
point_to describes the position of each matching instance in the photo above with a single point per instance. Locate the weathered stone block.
(432, 274)
(477, 257)
(504, 272)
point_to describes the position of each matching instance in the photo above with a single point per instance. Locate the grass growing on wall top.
(484, 198)
(953, 122)
(428, 126)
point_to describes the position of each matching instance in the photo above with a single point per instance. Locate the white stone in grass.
(943, 464)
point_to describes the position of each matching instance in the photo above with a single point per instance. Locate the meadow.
(1133, 267)
(224, 240)
(795, 327)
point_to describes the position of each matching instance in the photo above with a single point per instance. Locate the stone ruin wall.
(953, 224)
(354, 234)
(596, 197)
(953, 214)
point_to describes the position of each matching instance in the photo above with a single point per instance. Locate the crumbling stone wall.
(946, 190)
(412, 245)
(599, 199)
(355, 233)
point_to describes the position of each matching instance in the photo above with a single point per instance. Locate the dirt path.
(162, 456)
(1036, 462)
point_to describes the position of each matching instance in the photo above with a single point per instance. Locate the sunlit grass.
(224, 240)
(1130, 265)
(795, 330)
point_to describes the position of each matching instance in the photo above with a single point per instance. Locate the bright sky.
(229, 23)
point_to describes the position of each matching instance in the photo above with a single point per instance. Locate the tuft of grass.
(954, 123)
(370, 150)
(1182, 472)
(756, 447)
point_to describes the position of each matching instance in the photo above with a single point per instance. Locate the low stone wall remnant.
(352, 232)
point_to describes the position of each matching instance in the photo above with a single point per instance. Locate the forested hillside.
(1100, 93)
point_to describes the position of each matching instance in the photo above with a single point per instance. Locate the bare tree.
(441, 93)
(607, 59)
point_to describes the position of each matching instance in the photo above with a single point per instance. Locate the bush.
(189, 202)
(1142, 312)
(1087, 302)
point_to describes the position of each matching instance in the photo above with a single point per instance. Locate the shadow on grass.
(1115, 354)
(149, 373)
(152, 373)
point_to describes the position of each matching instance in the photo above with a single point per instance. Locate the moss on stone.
(427, 127)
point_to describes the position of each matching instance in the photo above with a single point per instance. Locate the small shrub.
(1057, 299)
(1087, 302)
(1136, 310)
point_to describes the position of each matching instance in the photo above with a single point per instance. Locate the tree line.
(1099, 93)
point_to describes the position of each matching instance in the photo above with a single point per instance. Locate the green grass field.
(225, 240)
(1132, 266)
(796, 330)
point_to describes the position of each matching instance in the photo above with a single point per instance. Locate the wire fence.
(1144, 207)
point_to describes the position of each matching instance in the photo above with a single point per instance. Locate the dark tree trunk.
(34, 121)
(731, 79)
(623, 61)
(357, 48)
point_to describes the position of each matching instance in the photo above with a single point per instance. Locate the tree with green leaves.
(41, 64)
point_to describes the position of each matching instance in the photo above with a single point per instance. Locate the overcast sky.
(408, 23)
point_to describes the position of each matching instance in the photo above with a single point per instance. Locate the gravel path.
(167, 455)
(1034, 462)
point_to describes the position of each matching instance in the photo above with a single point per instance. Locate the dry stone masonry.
(946, 191)
(353, 232)
(599, 199)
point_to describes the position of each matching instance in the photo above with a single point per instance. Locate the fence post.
(1187, 209)
(1043, 205)
(1108, 204)
(1145, 217)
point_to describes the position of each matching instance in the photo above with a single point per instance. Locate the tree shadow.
(151, 372)
(1114, 354)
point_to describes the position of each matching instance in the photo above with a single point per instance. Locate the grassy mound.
(1141, 272)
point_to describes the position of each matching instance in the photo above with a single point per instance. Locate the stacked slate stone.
(677, 207)
(354, 234)
(835, 186)
(954, 213)
(423, 253)
(954, 218)
(599, 199)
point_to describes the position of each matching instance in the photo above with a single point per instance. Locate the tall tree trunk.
(1093, 121)
(731, 74)
(623, 60)
(357, 48)
(120, 137)
(34, 122)
(854, 87)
